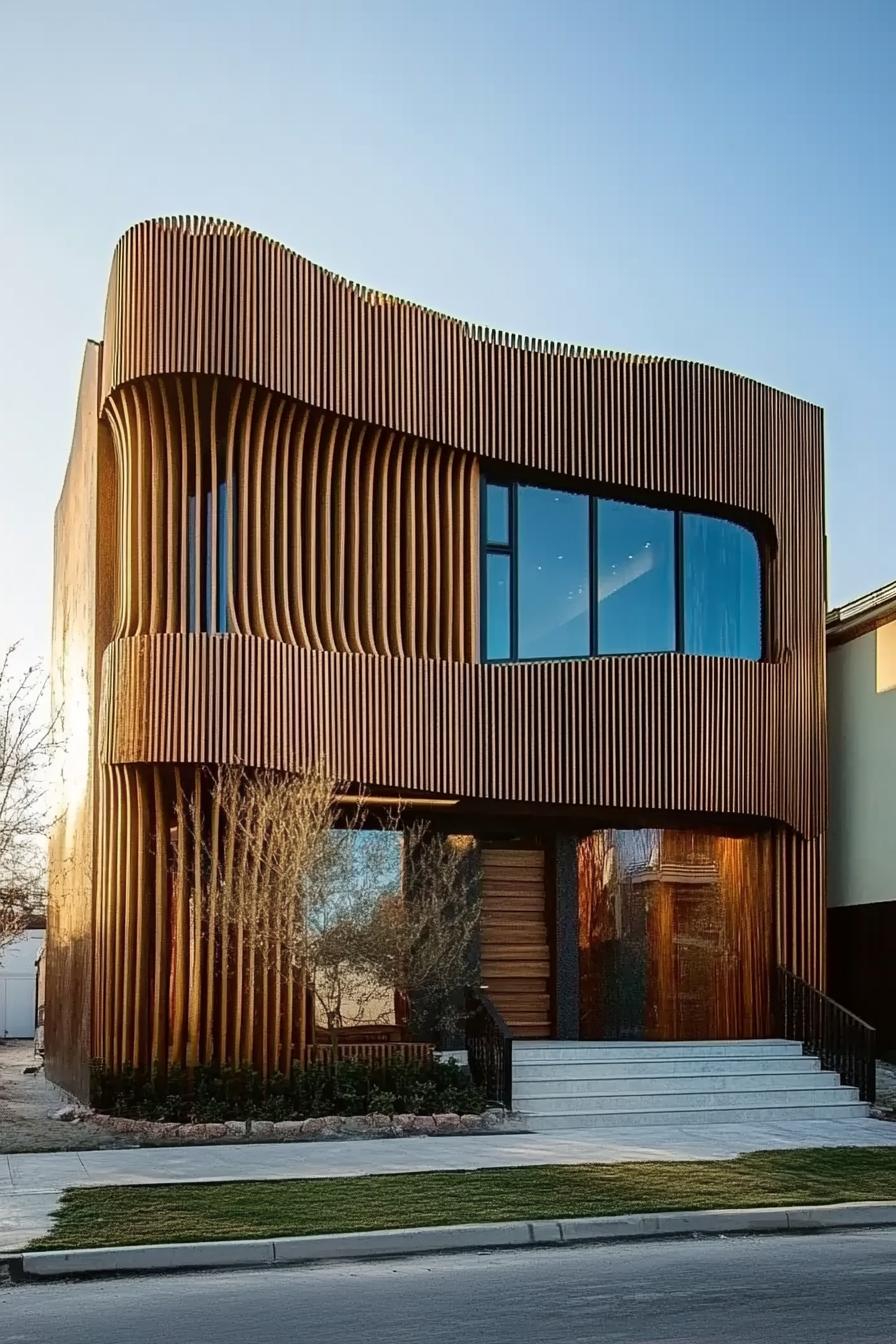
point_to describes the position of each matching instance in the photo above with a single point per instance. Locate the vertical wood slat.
(520, 734)
(326, 406)
(631, 421)
(352, 583)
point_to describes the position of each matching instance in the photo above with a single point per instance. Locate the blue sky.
(703, 178)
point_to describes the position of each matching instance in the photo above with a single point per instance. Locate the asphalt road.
(824, 1288)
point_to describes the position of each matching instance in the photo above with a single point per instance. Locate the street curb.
(170, 1256)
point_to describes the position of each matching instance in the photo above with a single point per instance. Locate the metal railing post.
(489, 1048)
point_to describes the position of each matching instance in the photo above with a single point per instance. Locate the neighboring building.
(861, 640)
(566, 601)
(18, 985)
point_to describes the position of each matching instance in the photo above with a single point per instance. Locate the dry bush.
(352, 905)
(26, 740)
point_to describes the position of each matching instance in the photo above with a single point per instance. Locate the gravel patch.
(27, 1104)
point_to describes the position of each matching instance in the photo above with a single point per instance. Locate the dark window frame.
(511, 550)
(202, 616)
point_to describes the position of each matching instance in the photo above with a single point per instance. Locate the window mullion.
(679, 581)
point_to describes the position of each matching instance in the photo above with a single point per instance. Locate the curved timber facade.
(276, 501)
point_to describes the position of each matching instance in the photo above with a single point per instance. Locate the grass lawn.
(129, 1215)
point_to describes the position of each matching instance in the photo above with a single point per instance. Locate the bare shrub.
(26, 740)
(357, 909)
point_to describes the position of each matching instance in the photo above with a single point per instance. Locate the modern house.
(861, 882)
(566, 601)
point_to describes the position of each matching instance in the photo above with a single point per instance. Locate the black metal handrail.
(841, 1040)
(489, 1048)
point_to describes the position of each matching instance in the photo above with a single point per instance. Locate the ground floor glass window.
(675, 935)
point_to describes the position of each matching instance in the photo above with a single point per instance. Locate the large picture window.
(569, 575)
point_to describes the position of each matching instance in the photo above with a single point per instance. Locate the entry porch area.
(630, 978)
(628, 935)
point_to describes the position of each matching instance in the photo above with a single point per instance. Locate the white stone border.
(375, 1126)
(167, 1257)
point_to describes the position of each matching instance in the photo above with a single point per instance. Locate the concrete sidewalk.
(32, 1183)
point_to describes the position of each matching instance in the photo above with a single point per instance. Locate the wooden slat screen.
(350, 427)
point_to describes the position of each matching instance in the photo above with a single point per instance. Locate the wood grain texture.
(84, 549)
(164, 945)
(515, 959)
(350, 430)
(677, 733)
(331, 535)
(191, 296)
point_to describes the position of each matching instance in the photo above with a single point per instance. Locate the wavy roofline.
(213, 226)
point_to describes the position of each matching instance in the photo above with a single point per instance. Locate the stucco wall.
(862, 744)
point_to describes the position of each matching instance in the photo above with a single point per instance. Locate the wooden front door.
(515, 956)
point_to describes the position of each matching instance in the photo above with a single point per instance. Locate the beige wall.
(862, 744)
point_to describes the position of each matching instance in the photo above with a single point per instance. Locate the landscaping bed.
(372, 1125)
(134, 1215)
(348, 1087)
(332, 1099)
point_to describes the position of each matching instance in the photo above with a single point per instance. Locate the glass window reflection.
(554, 602)
(722, 603)
(497, 515)
(570, 575)
(497, 618)
(635, 578)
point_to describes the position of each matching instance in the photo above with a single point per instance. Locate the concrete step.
(719, 1067)
(720, 1115)
(697, 1103)
(525, 1089)
(596, 1052)
(576, 1085)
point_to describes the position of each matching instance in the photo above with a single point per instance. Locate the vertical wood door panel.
(514, 950)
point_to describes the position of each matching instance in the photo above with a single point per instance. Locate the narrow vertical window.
(497, 515)
(192, 614)
(497, 616)
(207, 565)
(207, 573)
(497, 524)
(222, 556)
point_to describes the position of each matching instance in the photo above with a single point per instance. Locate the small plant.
(350, 1087)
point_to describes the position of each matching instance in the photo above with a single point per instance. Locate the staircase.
(573, 1085)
